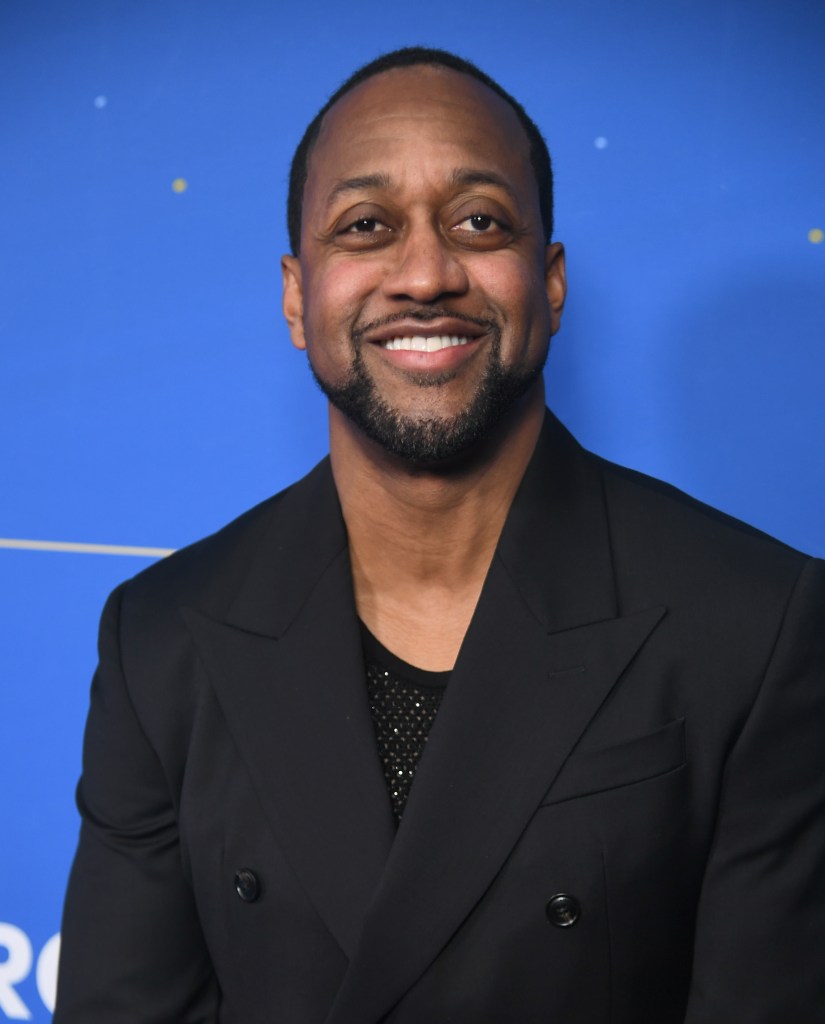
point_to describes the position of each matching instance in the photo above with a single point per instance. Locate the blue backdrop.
(148, 390)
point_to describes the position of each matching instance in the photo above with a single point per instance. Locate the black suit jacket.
(636, 721)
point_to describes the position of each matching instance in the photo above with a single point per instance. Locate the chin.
(430, 440)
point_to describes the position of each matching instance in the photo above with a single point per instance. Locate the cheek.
(333, 298)
(515, 288)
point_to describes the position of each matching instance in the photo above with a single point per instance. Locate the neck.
(422, 538)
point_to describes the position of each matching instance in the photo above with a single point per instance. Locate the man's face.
(423, 293)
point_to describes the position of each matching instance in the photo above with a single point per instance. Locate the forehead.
(420, 115)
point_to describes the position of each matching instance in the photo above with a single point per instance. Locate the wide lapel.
(544, 649)
(287, 667)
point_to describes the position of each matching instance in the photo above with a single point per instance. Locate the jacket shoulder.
(209, 571)
(661, 529)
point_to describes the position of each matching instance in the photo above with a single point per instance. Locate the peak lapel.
(543, 652)
(288, 672)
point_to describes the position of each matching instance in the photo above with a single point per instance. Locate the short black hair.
(412, 56)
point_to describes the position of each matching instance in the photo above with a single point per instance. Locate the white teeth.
(417, 343)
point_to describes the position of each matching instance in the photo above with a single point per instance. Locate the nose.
(424, 268)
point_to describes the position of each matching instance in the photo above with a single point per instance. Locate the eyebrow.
(358, 184)
(464, 177)
(469, 176)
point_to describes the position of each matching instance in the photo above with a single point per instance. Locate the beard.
(428, 440)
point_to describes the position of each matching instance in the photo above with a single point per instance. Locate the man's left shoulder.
(657, 528)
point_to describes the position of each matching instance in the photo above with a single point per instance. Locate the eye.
(482, 231)
(482, 223)
(363, 233)
(365, 226)
(478, 222)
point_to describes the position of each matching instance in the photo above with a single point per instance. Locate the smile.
(418, 343)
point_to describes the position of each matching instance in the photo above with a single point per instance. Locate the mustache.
(423, 315)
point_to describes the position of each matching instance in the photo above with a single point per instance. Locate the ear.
(555, 282)
(293, 299)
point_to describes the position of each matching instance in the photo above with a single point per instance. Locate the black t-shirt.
(403, 704)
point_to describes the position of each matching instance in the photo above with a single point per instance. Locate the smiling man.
(468, 725)
(431, 289)
(425, 292)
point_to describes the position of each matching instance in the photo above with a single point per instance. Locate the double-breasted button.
(247, 885)
(563, 910)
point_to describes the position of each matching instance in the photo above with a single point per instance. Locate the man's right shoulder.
(208, 572)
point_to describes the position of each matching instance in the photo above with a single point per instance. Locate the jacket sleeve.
(760, 931)
(132, 950)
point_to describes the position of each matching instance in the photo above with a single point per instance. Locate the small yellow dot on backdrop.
(816, 235)
(180, 185)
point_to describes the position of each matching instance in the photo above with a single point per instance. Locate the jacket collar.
(556, 541)
(558, 521)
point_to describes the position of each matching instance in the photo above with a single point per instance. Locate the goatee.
(430, 440)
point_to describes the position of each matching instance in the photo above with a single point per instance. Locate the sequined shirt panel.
(404, 701)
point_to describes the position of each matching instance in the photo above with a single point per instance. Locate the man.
(618, 795)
